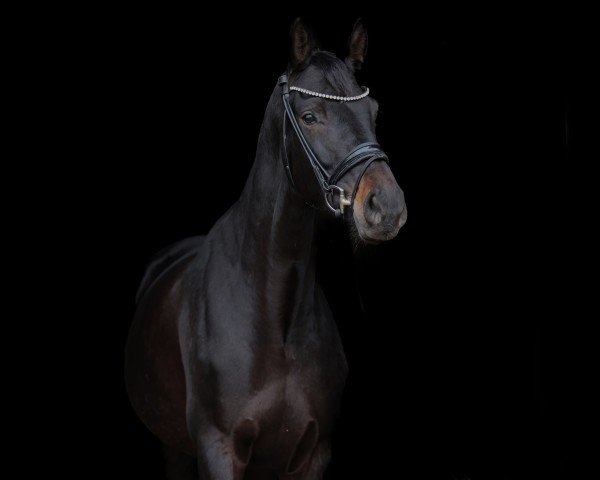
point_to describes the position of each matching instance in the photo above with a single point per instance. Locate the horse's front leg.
(216, 459)
(316, 466)
(225, 457)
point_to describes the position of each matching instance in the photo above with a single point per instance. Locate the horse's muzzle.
(379, 206)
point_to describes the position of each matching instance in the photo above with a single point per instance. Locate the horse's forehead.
(316, 76)
(312, 75)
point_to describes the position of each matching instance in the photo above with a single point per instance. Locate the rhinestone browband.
(332, 97)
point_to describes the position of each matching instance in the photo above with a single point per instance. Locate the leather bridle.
(365, 153)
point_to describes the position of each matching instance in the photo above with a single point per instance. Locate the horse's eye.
(309, 118)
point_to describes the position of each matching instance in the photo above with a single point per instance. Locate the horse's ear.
(303, 42)
(357, 45)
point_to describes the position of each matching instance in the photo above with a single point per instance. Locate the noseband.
(365, 153)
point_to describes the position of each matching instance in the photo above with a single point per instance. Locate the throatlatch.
(365, 153)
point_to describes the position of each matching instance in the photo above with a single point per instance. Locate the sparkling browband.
(332, 97)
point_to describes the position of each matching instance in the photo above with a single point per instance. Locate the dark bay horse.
(234, 360)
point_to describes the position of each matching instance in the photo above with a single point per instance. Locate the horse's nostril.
(384, 210)
(373, 210)
(374, 202)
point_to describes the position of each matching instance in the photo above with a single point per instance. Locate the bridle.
(365, 153)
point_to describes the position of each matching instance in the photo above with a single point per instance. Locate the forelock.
(335, 71)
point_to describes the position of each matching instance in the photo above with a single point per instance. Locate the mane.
(335, 71)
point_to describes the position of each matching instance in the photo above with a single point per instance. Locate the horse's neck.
(277, 246)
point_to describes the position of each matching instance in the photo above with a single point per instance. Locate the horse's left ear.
(358, 46)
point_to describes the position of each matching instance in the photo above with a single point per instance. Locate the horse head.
(331, 153)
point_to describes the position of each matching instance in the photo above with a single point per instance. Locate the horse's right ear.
(358, 46)
(303, 42)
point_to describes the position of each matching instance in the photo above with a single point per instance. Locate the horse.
(234, 360)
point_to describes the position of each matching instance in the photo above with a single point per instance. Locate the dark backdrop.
(457, 366)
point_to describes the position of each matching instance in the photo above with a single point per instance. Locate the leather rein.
(365, 153)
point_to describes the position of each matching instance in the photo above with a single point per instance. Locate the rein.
(365, 153)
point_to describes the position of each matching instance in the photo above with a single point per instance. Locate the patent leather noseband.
(365, 153)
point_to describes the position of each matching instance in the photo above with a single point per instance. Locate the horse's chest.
(295, 387)
(288, 415)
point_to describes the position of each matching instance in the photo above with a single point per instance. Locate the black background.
(457, 363)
